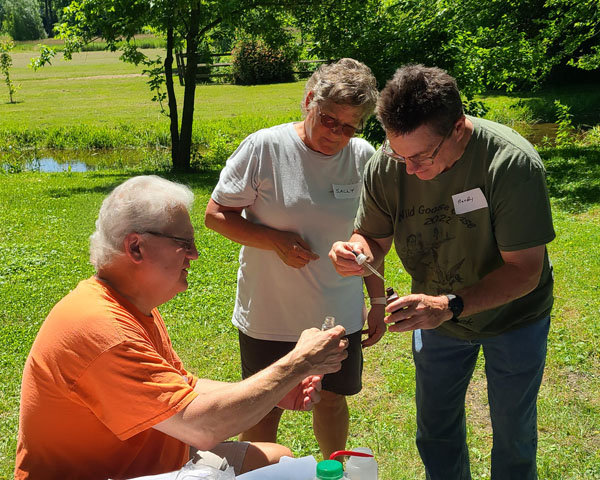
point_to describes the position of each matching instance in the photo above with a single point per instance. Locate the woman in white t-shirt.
(286, 194)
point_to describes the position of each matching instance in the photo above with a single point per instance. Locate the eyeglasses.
(186, 243)
(333, 124)
(386, 148)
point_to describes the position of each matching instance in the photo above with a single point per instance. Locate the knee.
(331, 402)
(261, 454)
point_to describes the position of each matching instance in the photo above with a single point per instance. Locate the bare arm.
(376, 327)
(519, 275)
(228, 221)
(222, 410)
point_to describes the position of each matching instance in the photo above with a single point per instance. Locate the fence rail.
(206, 71)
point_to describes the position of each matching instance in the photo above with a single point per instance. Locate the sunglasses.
(333, 124)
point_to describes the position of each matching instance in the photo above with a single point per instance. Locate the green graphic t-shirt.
(449, 231)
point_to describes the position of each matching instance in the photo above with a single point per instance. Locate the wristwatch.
(455, 305)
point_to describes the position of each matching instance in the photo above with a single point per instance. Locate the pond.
(85, 160)
(81, 160)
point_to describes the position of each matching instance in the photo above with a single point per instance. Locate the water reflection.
(51, 165)
(81, 160)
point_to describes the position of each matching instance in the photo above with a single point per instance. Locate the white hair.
(140, 204)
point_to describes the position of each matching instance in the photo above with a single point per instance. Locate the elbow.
(206, 441)
(531, 281)
(210, 219)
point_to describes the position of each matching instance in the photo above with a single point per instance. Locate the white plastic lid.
(360, 259)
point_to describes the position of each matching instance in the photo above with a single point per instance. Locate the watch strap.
(378, 300)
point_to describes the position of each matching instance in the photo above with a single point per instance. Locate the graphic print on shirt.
(432, 229)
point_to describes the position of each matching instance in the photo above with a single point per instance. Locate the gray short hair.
(138, 205)
(345, 82)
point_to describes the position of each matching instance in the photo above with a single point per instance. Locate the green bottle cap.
(330, 470)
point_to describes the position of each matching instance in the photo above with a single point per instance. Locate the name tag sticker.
(468, 201)
(346, 191)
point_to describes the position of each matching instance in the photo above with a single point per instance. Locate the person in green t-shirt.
(464, 201)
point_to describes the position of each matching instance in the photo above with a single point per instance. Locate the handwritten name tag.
(468, 201)
(346, 191)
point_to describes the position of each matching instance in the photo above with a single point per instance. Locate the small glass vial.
(328, 323)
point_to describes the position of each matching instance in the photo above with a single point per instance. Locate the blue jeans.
(514, 364)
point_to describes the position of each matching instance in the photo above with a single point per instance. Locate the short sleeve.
(238, 184)
(373, 217)
(131, 388)
(521, 212)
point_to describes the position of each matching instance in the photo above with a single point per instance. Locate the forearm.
(222, 410)
(232, 225)
(374, 249)
(501, 286)
(374, 285)
(234, 408)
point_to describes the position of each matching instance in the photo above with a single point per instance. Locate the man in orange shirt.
(104, 394)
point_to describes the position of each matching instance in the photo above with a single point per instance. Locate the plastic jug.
(329, 470)
(359, 467)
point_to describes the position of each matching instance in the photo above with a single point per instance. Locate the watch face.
(455, 304)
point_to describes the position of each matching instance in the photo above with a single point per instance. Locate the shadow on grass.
(573, 176)
(583, 101)
(205, 180)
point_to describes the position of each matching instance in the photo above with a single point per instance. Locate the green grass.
(45, 221)
(96, 101)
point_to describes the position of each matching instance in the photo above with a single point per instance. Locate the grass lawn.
(46, 219)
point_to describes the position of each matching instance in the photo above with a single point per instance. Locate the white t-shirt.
(289, 187)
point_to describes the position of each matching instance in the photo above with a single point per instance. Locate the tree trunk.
(173, 116)
(187, 117)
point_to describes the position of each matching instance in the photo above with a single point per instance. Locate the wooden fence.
(208, 71)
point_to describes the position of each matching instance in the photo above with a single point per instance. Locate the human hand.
(344, 260)
(292, 249)
(320, 352)
(304, 395)
(417, 311)
(376, 325)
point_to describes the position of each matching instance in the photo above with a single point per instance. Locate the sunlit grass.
(45, 222)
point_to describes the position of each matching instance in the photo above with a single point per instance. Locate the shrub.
(254, 63)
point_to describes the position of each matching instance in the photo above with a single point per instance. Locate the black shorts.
(258, 354)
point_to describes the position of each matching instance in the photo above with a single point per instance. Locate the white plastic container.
(361, 468)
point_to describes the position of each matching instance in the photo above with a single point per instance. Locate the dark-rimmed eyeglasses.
(187, 243)
(333, 124)
(386, 148)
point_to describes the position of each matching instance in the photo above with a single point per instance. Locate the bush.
(22, 20)
(254, 63)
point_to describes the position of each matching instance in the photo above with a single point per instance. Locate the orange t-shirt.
(99, 375)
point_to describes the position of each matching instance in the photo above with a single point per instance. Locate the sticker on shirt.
(468, 201)
(346, 191)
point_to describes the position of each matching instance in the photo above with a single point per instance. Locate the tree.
(51, 13)
(5, 64)
(501, 44)
(184, 23)
(21, 19)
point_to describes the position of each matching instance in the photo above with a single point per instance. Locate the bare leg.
(261, 454)
(330, 422)
(265, 430)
